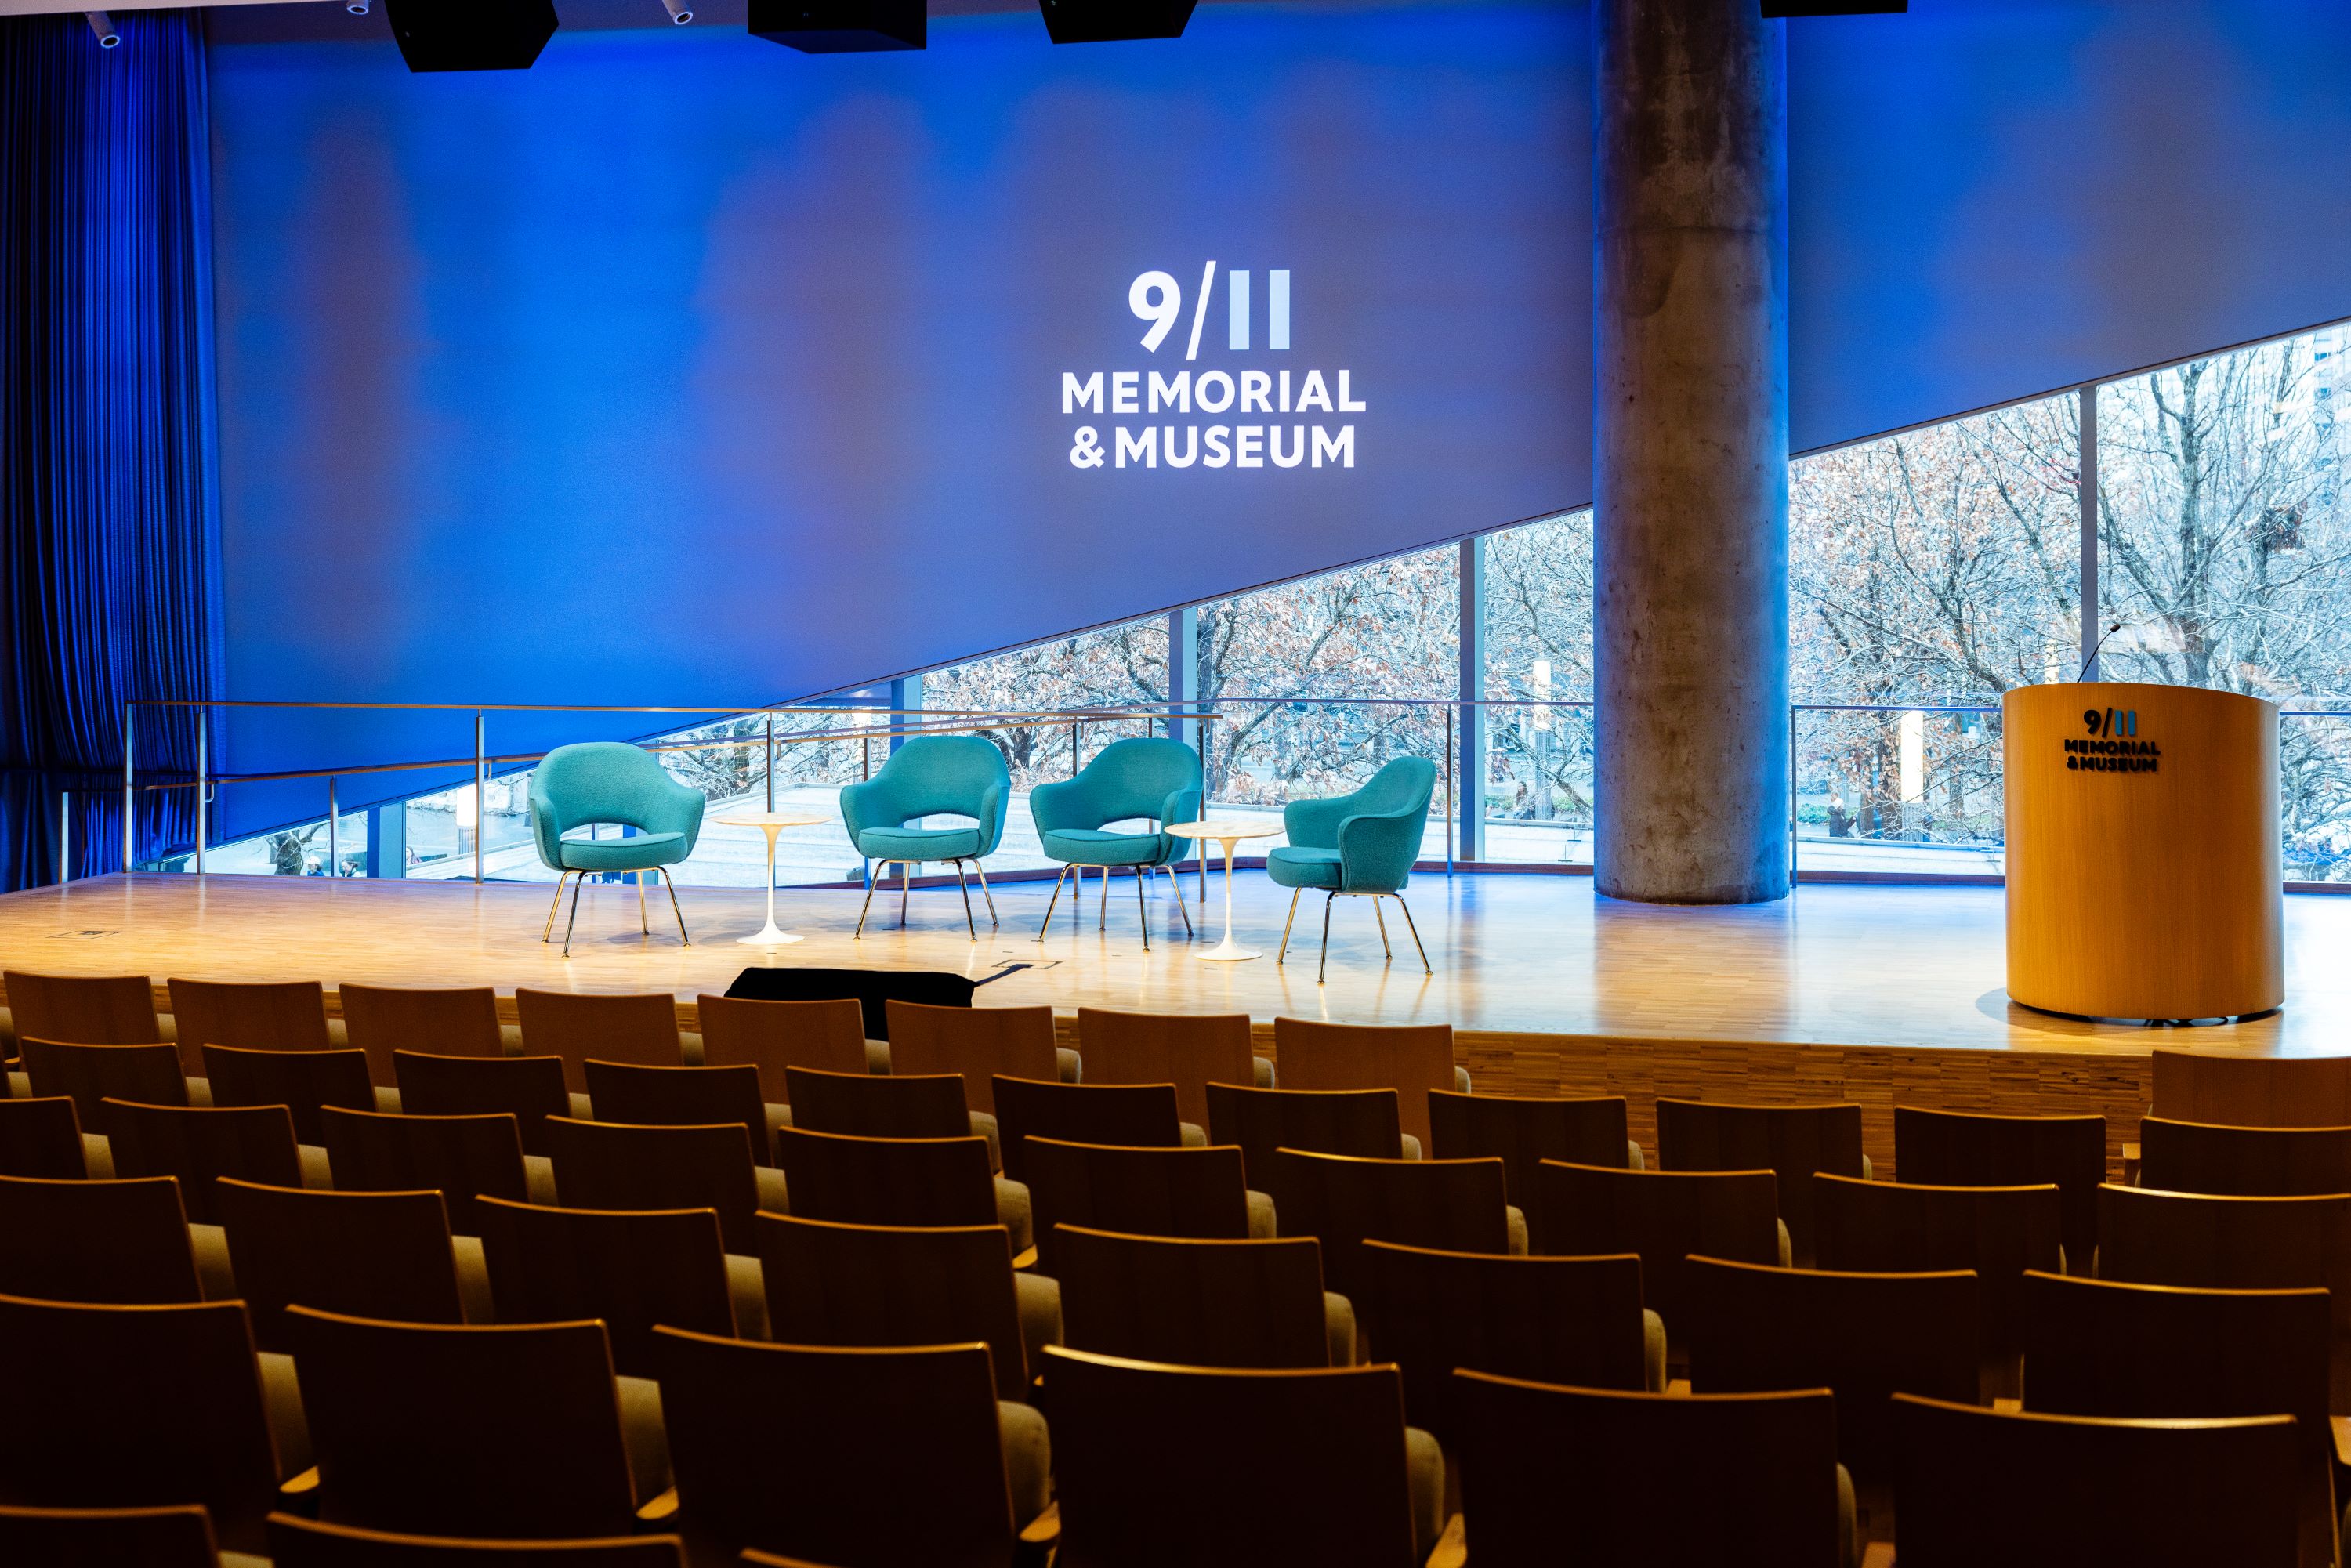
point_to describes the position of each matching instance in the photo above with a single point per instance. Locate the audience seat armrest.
(1453, 1546)
(2341, 1425)
(1026, 1259)
(1878, 1554)
(661, 1510)
(1044, 1531)
(299, 1492)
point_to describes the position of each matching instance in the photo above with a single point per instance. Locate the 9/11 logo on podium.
(1157, 298)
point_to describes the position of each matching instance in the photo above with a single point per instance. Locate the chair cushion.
(1028, 1459)
(919, 843)
(639, 853)
(1290, 866)
(1014, 1212)
(1093, 846)
(1339, 1327)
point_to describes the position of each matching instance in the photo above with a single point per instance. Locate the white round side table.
(771, 824)
(1227, 832)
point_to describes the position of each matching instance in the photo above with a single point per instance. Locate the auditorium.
(1407, 783)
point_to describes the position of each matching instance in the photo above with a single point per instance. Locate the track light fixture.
(470, 35)
(103, 26)
(358, 7)
(840, 26)
(679, 12)
(1111, 21)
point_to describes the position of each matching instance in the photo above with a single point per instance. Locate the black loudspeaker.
(875, 988)
(841, 27)
(1108, 21)
(471, 35)
(1775, 8)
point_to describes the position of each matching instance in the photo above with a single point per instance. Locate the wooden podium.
(2143, 857)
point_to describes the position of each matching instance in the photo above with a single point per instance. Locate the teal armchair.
(608, 781)
(1131, 781)
(930, 775)
(1358, 846)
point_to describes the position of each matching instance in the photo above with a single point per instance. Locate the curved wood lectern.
(2143, 857)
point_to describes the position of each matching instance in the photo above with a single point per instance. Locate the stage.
(1880, 994)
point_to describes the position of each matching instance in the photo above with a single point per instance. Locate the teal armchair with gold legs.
(1145, 784)
(1357, 846)
(601, 783)
(930, 776)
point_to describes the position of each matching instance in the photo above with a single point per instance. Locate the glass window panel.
(1538, 764)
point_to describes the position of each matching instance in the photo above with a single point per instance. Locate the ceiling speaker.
(1772, 8)
(471, 35)
(1108, 21)
(841, 27)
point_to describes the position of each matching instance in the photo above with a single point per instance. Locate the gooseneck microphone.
(2092, 657)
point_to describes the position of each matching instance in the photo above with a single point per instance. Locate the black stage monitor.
(471, 35)
(841, 27)
(875, 989)
(1108, 21)
(1833, 7)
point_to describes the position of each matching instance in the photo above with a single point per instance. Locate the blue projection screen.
(686, 368)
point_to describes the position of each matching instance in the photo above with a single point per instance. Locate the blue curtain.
(109, 494)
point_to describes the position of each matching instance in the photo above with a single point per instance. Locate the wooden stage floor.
(1881, 993)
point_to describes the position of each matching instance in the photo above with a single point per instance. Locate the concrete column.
(1691, 451)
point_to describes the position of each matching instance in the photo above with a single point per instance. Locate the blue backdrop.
(686, 367)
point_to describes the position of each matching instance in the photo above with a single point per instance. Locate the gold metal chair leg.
(984, 893)
(548, 933)
(670, 882)
(1322, 970)
(905, 887)
(1142, 910)
(577, 883)
(1052, 902)
(969, 924)
(1387, 951)
(1286, 924)
(869, 900)
(645, 926)
(1410, 926)
(1101, 910)
(1176, 882)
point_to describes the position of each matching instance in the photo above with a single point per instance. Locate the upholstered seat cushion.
(637, 854)
(1290, 866)
(1097, 846)
(919, 843)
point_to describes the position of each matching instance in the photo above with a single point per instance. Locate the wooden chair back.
(1137, 1192)
(1359, 1121)
(1573, 1321)
(1193, 1302)
(2152, 1238)
(630, 1267)
(301, 1081)
(197, 1144)
(2029, 1491)
(378, 1254)
(527, 1088)
(607, 1165)
(682, 1097)
(894, 1285)
(773, 1036)
(461, 1157)
(87, 1074)
(131, 1407)
(1792, 1142)
(1681, 1482)
(2243, 1162)
(1523, 1133)
(579, 1026)
(1962, 1148)
(1665, 1216)
(297, 1542)
(887, 1181)
(2096, 1347)
(1143, 1464)
(178, 1537)
(1864, 1336)
(2230, 1091)
(1453, 1204)
(1190, 1050)
(1888, 1228)
(862, 1105)
(981, 1043)
(42, 1137)
(457, 1021)
(1123, 1116)
(1410, 1059)
(102, 1010)
(123, 1242)
(464, 1430)
(253, 1015)
(869, 1455)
